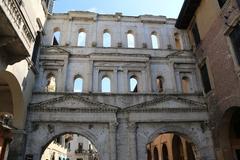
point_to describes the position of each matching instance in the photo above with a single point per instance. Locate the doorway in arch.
(170, 146)
(70, 146)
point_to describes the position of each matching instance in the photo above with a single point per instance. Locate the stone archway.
(200, 140)
(228, 139)
(70, 145)
(11, 98)
(177, 147)
(43, 133)
(12, 112)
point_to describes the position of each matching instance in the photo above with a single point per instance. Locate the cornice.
(45, 106)
(98, 107)
(142, 106)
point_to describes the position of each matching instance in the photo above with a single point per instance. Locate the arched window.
(133, 84)
(106, 39)
(190, 153)
(177, 148)
(51, 83)
(185, 84)
(177, 41)
(155, 151)
(78, 84)
(149, 155)
(130, 40)
(106, 84)
(154, 40)
(81, 38)
(160, 83)
(164, 152)
(56, 36)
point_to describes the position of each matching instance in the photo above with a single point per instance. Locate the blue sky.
(169, 8)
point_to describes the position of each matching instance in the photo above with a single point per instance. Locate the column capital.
(113, 125)
(132, 126)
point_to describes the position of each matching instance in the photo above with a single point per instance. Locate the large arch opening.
(11, 110)
(70, 146)
(171, 146)
(229, 134)
(11, 98)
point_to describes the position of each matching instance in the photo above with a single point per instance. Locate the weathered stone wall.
(120, 123)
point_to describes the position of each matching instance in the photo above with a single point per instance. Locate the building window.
(130, 40)
(78, 84)
(155, 153)
(177, 41)
(160, 84)
(81, 38)
(133, 84)
(80, 147)
(205, 78)
(154, 40)
(238, 2)
(149, 154)
(106, 84)
(164, 152)
(56, 36)
(106, 39)
(51, 83)
(235, 39)
(185, 84)
(196, 34)
(221, 2)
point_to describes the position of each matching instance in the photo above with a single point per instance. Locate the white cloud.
(94, 9)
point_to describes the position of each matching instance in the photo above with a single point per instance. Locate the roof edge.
(186, 14)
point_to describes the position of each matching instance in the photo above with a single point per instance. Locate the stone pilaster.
(115, 81)
(17, 150)
(132, 140)
(112, 139)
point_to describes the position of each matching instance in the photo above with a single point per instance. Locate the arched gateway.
(121, 121)
(113, 130)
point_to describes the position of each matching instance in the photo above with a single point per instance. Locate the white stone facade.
(121, 123)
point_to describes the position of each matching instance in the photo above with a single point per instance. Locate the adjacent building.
(21, 28)
(214, 30)
(70, 147)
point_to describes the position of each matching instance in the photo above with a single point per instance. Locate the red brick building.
(214, 30)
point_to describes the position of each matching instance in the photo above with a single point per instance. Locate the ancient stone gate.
(167, 96)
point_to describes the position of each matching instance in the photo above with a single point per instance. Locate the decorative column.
(142, 82)
(96, 81)
(90, 77)
(115, 81)
(112, 140)
(126, 81)
(132, 141)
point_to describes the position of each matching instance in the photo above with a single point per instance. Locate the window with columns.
(154, 40)
(185, 84)
(159, 81)
(56, 36)
(81, 38)
(106, 84)
(78, 84)
(178, 41)
(106, 39)
(130, 39)
(51, 83)
(133, 84)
